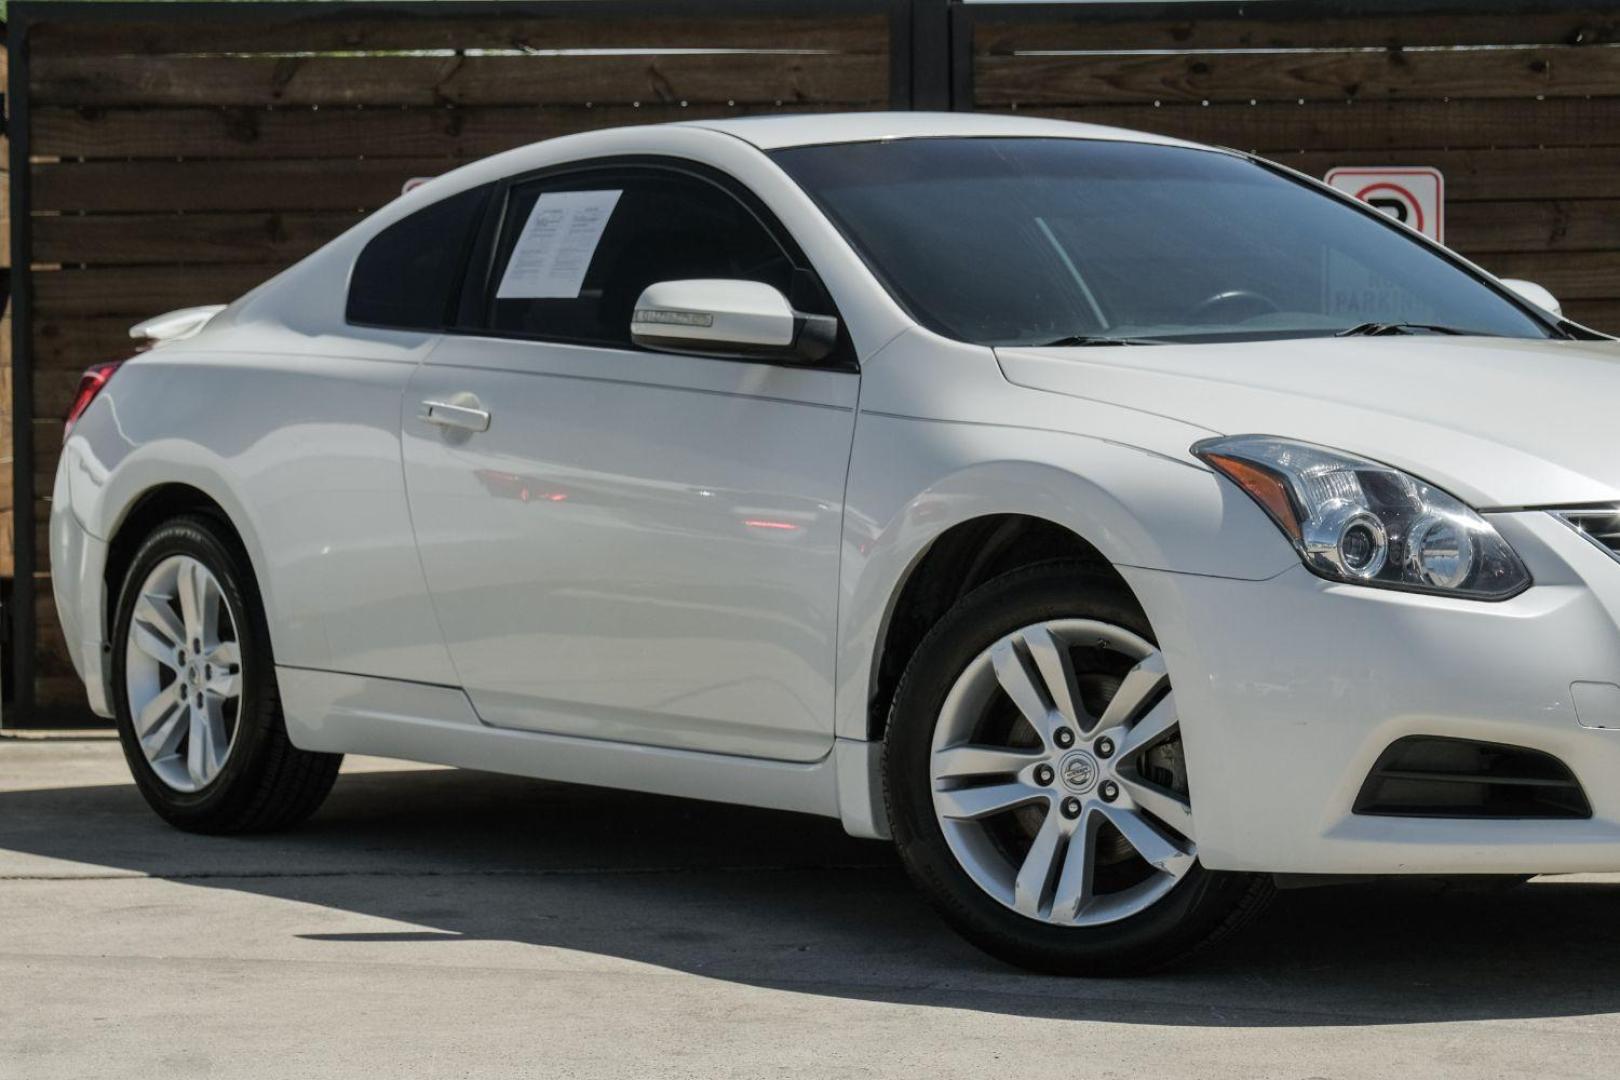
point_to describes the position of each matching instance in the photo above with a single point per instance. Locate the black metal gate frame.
(931, 67)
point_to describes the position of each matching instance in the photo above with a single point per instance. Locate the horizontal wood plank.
(225, 185)
(1550, 226)
(42, 538)
(1601, 315)
(63, 347)
(127, 239)
(55, 389)
(45, 466)
(307, 30)
(263, 238)
(832, 78)
(47, 432)
(55, 683)
(62, 694)
(245, 132)
(1579, 275)
(1312, 76)
(1003, 32)
(138, 292)
(51, 662)
(1471, 175)
(1368, 125)
(70, 345)
(1491, 175)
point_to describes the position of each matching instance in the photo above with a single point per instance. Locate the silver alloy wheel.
(183, 673)
(1072, 784)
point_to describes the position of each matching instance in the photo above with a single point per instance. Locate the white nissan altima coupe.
(1116, 523)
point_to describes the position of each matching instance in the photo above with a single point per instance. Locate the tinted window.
(407, 276)
(660, 226)
(1028, 241)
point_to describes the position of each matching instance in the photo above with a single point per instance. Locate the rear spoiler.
(174, 325)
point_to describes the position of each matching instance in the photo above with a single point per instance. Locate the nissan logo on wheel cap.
(1079, 772)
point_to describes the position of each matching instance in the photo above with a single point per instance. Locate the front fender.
(912, 480)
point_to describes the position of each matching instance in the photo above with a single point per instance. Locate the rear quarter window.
(408, 276)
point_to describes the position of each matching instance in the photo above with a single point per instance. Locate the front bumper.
(1289, 689)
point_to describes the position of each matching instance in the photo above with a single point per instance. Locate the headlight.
(1358, 521)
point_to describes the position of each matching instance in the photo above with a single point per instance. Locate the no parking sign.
(1413, 195)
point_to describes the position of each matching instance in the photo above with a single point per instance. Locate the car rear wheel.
(1037, 786)
(194, 690)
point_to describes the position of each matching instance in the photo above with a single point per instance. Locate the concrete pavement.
(432, 923)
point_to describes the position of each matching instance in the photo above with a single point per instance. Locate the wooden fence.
(179, 154)
(1518, 106)
(174, 154)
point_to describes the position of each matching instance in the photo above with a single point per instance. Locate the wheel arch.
(955, 562)
(149, 510)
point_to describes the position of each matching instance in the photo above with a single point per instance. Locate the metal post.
(960, 63)
(900, 53)
(22, 379)
(931, 54)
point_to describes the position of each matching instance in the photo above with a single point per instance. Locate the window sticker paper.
(555, 248)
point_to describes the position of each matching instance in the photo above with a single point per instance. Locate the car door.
(626, 544)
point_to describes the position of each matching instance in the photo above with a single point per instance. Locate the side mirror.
(719, 317)
(1529, 290)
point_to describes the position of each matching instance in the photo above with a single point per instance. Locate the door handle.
(447, 414)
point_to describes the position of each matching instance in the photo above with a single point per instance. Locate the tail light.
(90, 384)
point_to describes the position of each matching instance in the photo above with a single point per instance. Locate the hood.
(1497, 422)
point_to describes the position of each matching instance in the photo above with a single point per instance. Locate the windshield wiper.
(1386, 329)
(1076, 340)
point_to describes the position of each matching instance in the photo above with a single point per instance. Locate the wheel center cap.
(1079, 771)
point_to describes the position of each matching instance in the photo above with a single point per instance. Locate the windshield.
(1026, 241)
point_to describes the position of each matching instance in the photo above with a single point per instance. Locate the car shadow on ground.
(782, 900)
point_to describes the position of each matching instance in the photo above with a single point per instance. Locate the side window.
(407, 275)
(576, 251)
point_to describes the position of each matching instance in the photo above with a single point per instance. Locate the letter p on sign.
(1415, 196)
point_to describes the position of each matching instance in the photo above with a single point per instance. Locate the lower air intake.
(1426, 776)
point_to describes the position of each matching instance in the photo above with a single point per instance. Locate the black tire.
(1203, 908)
(266, 783)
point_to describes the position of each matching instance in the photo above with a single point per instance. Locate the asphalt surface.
(433, 923)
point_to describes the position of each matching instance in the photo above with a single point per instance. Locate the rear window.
(408, 276)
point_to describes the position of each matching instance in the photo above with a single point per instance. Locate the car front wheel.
(1037, 786)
